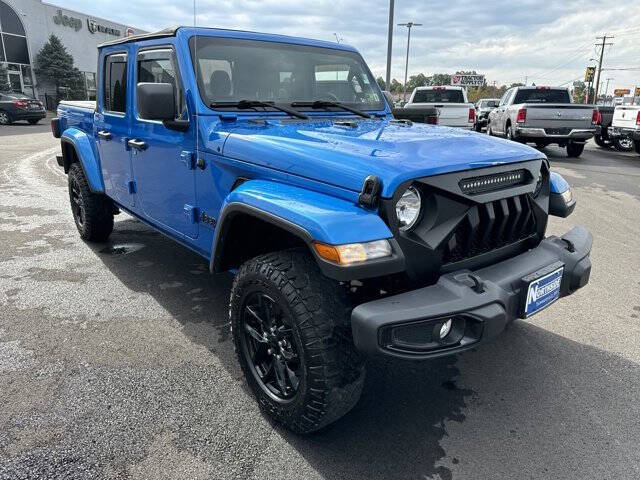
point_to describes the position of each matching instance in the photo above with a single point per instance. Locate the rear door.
(112, 124)
(163, 159)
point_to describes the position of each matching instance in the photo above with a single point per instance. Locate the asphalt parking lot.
(116, 360)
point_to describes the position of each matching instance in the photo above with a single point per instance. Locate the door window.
(115, 83)
(159, 66)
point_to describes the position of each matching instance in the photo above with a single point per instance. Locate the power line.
(576, 52)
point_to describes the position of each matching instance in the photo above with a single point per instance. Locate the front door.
(111, 128)
(163, 158)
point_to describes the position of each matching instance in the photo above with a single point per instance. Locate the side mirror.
(156, 101)
(561, 201)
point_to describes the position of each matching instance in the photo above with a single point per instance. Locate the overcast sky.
(551, 42)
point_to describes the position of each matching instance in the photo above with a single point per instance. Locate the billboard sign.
(463, 80)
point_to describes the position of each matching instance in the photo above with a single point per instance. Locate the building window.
(13, 49)
(10, 21)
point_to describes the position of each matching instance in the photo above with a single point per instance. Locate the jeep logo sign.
(94, 27)
(67, 21)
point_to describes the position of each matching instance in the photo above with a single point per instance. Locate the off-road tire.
(96, 223)
(318, 309)
(33, 121)
(5, 118)
(622, 147)
(574, 150)
(509, 134)
(477, 127)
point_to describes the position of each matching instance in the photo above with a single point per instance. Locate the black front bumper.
(481, 302)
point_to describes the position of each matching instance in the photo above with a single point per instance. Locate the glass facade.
(13, 50)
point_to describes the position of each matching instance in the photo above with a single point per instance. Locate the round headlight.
(408, 208)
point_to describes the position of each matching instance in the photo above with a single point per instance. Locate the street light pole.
(387, 84)
(409, 25)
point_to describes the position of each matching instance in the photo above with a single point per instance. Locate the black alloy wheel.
(269, 347)
(77, 203)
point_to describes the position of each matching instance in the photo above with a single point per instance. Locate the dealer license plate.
(542, 291)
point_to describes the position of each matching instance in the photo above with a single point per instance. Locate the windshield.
(438, 96)
(230, 70)
(488, 103)
(542, 95)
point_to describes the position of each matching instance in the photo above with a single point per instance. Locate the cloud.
(549, 42)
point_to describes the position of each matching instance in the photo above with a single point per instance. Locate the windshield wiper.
(326, 104)
(246, 104)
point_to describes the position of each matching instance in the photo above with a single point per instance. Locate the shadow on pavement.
(540, 403)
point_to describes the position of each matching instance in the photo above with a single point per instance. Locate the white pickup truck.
(626, 124)
(454, 110)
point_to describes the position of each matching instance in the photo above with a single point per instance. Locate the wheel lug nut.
(269, 352)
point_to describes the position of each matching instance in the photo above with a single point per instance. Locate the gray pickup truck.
(544, 116)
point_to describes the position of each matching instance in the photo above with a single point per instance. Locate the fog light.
(445, 328)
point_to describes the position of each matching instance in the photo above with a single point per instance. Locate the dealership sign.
(94, 27)
(618, 92)
(468, 80)
(67, 21)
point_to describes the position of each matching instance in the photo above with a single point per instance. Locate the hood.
(344, 156)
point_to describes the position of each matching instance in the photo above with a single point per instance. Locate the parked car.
(544, 116)
(626, 125)
(350, 234)
(454, 110)
(601, 136)
(483, 108)
(17, 106)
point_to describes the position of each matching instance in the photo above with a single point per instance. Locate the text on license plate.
(542, 292)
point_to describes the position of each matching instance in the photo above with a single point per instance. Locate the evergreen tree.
(54, 63)
(5, 86)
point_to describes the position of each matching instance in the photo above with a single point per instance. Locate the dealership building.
(25, 26)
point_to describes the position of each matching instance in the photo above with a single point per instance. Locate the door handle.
(137, 144)
(105, 135)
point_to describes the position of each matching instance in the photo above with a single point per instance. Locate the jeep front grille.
(490, 226)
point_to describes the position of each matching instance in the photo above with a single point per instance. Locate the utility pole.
(409, 25)
(387, 81)
(604, 44)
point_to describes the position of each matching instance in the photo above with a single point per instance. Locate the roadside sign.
(637, 92)
(619, 92)
(468, 80)
(589, 73)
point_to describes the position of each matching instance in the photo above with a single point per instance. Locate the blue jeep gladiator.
(350, 233)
